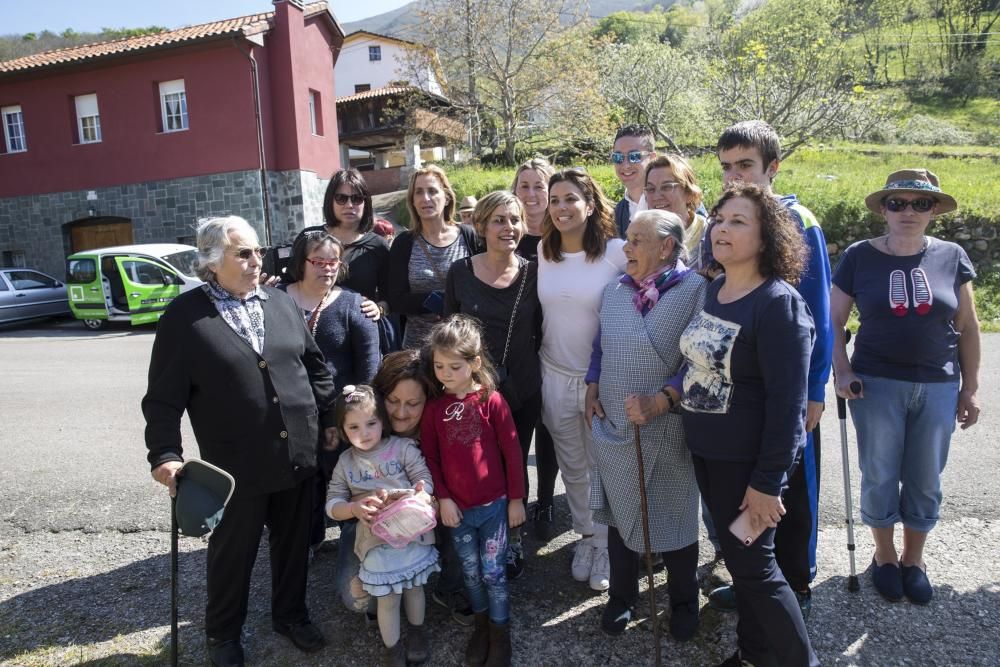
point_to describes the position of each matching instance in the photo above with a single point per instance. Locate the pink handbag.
(403, 521)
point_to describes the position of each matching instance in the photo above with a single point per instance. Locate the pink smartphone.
(741, 528)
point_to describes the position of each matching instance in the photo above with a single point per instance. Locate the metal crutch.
(173, 581)
(852, 581)
(644, 506)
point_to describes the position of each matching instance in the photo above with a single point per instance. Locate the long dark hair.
(600, 224)
(352, 178)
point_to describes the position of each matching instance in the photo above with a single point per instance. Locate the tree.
(655, 85)
(965, 27)
(503, 59)
(785, 63)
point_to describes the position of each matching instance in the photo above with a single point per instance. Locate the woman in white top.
(579, 254)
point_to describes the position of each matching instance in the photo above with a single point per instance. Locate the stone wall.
(160, 211)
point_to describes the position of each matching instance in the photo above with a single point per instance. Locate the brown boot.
(499, 646)
(479, 643)
(394, 656)
(416, 644)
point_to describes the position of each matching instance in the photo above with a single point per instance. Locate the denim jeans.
(481, 543)
(904, 431)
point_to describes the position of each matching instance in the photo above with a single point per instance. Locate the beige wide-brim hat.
(468, 204)
(917, 181)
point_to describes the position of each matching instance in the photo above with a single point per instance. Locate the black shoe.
(888, 580)
(456, 604)
(684, 621)
(225, 652)
(544, 525)
(515, 561)
(305, 636)
(916, 585)
(616, 617)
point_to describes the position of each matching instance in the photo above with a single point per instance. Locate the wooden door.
(100, 233)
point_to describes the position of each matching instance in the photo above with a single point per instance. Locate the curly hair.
(460, 335)
(600, 224)
(784, 251)
(352, 178)
(485, 207)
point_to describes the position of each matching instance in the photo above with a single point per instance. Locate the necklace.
(888, 248)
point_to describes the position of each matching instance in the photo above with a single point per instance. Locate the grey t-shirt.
(907, 306)
(424, 277)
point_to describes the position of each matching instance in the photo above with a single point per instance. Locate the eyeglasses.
(634, 157)
(921, 205)
(666, 187)
(357, 200)
(324, 263)
(245, 253)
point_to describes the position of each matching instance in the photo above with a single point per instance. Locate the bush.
(928, 131)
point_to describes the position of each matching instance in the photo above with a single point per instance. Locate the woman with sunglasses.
(348, 340)
(580, 254)
(350, 218)
(914, 372)
(421, 256)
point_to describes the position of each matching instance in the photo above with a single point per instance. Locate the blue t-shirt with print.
(907, 306)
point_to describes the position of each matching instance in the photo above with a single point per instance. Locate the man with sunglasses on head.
(634, 148)
(750, 152)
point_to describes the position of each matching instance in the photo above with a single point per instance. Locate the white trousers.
(563, 397)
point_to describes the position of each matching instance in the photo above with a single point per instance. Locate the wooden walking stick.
(644, 506)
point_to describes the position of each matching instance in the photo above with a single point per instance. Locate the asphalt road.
(83, 533)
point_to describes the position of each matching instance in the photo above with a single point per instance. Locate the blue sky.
(21, 16)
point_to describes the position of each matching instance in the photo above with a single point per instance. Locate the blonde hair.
(539, 165)
(460, 335)
(486, 206)
(449, 205)
(685, 176)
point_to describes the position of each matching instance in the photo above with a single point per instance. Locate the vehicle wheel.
(94, 325)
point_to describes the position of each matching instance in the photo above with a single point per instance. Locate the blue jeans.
(904, 431)
(481, 543)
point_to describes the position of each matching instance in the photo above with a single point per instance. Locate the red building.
(134, 140)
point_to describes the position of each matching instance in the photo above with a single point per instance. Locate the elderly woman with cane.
(238, 358)
(915, 370)
(632, 388)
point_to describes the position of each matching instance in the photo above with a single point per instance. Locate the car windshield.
(183, 261)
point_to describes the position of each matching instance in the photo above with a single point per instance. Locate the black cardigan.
(401, 299)
(255, 416)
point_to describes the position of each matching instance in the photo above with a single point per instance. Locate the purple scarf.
(649, 290)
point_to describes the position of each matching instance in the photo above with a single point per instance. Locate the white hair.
(213, 239)
(666, 224)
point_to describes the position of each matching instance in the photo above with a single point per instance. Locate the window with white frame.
(88, 119)
(315, 113)
(173, 105)
(374, 53)
(13, 129)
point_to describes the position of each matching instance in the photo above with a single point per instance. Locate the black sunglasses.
(246, 253)
(921, 205)
(357, 200)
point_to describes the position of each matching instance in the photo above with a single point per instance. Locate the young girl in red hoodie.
(469, 440)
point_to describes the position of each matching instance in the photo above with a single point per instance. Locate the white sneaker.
(600, 571)
(583, 560)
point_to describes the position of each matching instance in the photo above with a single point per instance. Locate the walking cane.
(644, 506)
(852, 581)
(173, 581)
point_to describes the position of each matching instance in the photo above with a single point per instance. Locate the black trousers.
(525, 419)
(794, 545)
(682, 566)
(232, 551)
(770, 629)
(545, 463)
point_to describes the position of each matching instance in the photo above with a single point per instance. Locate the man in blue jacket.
(750, 151)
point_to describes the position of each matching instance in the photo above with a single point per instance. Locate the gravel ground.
(84, 564)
